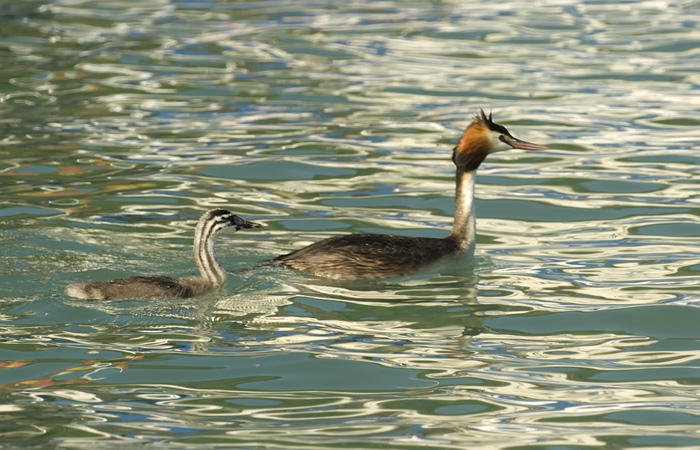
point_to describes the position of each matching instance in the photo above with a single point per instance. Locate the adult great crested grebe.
(363, 256)
(167, 288)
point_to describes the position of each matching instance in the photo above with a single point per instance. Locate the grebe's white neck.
(464, 228)
(207, 264)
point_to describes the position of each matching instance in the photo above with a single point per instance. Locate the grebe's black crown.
(493, 126)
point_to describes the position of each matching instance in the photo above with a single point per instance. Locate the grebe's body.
(164, 287)
(363, 256)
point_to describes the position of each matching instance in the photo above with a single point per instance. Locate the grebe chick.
(363, 256)
(167, 288)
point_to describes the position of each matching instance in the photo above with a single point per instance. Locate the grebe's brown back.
(166, 288)
(363, 256)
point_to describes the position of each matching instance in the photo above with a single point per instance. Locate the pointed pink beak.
(522, 145)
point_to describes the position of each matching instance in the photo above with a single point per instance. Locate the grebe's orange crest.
(484, 136)
(476, 143)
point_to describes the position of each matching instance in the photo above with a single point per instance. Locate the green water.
(122, 121)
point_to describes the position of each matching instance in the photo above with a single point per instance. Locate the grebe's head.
(484, 136)
(218, 219)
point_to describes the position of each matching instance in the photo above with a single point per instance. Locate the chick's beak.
(247, 224)
(522, 145)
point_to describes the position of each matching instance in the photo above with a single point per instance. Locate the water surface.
(123, 121)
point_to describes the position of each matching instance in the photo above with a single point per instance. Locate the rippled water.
(122, 121)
